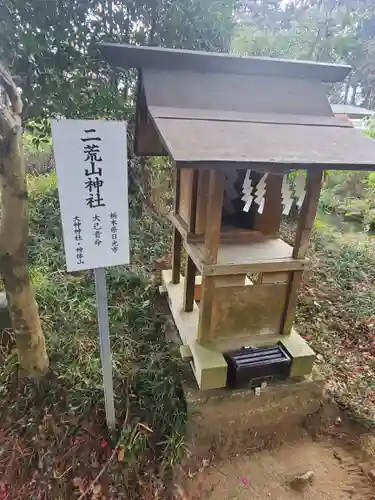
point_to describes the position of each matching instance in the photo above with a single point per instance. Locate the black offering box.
(250, 367)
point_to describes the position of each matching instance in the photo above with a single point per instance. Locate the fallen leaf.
(3, 490)
(96, 492)
(300, 482)
(80, 484)
(121, 453)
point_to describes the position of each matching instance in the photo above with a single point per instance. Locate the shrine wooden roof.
(134, 56)
(220, 110)
(204, 142)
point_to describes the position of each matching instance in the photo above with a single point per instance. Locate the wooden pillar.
(176, 256)
(190, 269)
(211, 249)
(308, 212)
(269, 221)
(190, 272)
(301, 243)
(213, 216)
(177, 240)
(291, 301)
(203, 182)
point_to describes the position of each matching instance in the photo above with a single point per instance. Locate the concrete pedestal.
(223, 422)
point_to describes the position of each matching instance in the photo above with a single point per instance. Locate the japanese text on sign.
(91, 164)
(94, 183)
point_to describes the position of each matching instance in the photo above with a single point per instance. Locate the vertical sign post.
(105, 345)
(91, 165)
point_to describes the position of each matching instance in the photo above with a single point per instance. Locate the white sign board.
(91, 165)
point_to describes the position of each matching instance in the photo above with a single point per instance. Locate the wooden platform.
(228, 234)
(264, 254)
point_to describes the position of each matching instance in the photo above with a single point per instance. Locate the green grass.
(351, 195)
(344, 263)
(37, 159)
(336, 313)
(54, 428)
(146, 375)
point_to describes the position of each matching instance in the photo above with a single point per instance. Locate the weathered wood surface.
(269, 221)
(177, 239)
(238, 258)
(193, 205)
(192, 219)
(208, 292)
(176, 255)
(213, 217)
(134, 56)
(250, 117)
(280, 277)
(186, 178)
(218, 143)
(190, 271)
(147, 141)
(228, 234)
(301, 243)
(263, 250)
(252, 310)
(203, 183)
(291, 304)
(308, 213)
(210, 91)
(257, 267)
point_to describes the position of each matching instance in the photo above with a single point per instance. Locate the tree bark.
(22, 305)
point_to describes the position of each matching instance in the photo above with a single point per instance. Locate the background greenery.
(51, 46)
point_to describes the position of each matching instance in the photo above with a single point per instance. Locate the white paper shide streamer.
(286, 194)
(247, 190)
(260, 193)
(300, 188)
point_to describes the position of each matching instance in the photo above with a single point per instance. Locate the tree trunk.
(23, 308)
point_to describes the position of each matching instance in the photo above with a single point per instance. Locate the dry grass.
(53, 439)
(336, 315)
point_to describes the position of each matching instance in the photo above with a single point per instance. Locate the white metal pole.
(105, 345)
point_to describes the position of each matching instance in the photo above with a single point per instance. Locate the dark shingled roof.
(221, 110)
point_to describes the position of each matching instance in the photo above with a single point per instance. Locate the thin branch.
(114, 452)
(102, 470)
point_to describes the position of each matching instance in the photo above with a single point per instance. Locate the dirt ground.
(339, 457)
(338, 475)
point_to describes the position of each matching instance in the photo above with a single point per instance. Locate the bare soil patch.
(338, 475)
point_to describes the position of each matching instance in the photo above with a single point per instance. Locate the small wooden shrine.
(249, 139)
